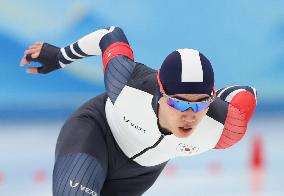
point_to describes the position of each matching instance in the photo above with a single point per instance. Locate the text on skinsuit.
(83, 188)
(134, 125)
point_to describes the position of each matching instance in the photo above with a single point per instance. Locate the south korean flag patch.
(186, 148)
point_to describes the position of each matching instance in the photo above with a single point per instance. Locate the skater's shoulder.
(143, 78)
(142, 70)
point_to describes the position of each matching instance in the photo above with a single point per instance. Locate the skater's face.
(181, 123)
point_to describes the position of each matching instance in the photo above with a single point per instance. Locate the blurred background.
(244, 41)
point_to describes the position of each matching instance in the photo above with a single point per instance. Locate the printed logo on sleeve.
(83, 188)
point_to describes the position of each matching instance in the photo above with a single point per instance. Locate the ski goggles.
(184, 105)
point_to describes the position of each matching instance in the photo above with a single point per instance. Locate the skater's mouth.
(185, 129)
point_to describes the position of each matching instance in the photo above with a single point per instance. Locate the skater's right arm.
(111, 43)
(52, 57)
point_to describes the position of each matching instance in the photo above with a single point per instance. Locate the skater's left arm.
(233, 107)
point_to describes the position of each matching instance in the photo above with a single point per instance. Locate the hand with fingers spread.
(33, 50)
(45, 54)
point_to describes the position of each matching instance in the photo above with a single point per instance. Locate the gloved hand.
(44, 53)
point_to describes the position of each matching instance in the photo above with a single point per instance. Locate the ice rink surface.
(27, 156)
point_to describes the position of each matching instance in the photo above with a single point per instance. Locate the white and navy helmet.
(186, 71)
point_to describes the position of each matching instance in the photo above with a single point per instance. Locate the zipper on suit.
(148, 148)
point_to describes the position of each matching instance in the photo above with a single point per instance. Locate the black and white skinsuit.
(113, 144)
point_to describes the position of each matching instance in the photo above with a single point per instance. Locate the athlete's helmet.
(186, 71)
